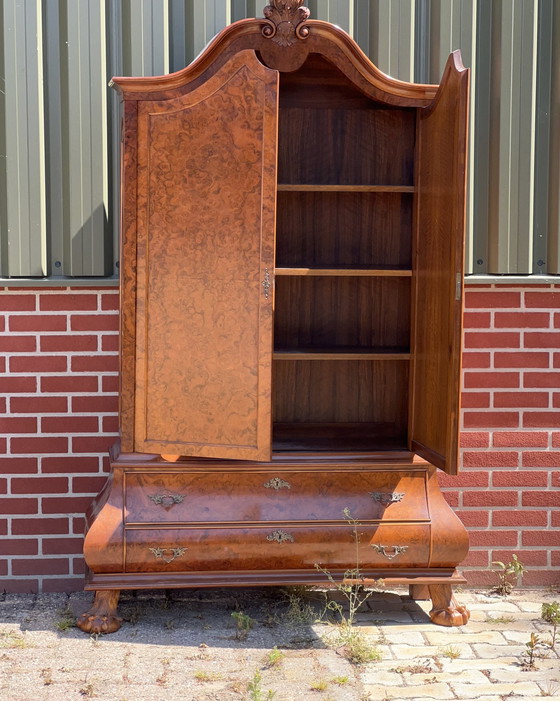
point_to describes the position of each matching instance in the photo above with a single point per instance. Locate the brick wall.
(58, 416)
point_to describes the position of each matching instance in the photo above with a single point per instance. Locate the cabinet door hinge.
(458, 286)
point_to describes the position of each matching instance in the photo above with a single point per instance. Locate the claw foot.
(101, 617)
(446, 611)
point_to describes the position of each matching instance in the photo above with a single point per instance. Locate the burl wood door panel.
(272, 547)
(205, 251)
(273, 496)
(438, 271)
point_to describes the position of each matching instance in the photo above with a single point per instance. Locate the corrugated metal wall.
(59, 121)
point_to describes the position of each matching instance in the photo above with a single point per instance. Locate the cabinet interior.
(343, 265)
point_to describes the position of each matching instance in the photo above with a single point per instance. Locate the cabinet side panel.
(438, 271)
(206, 250)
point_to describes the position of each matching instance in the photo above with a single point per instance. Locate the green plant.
(508, 574)
(274, 658)
(451, 652)
(13, 639)
(500, 619)
(319, 685)
(67, 620)
(530, 653)
(551, 614)
(356, 648)
(202, 676)
(340, 681)
(300, 611)
(244, 624)
(352, 584)
(254, 688)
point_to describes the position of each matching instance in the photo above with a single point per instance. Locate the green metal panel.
(553, 224)
(391, 29)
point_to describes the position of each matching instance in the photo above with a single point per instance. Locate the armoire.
(291, 318)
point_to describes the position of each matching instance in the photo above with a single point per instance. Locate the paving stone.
(408, 652)
(515, 688)
(377, 676)
(464, 676)
(530, 606)
(404, 638)
(519, 636)
(490, 651)
(497, 607)
(466, 635)
(424, 691)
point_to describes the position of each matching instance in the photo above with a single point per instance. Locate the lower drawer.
(280, 548)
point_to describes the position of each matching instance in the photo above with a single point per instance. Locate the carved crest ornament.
(285, 21)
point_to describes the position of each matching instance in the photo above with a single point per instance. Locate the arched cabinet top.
(283, 40)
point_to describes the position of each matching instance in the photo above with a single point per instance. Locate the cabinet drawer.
(289, 548)
(194, 497)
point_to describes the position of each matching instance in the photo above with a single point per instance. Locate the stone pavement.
(185, 645)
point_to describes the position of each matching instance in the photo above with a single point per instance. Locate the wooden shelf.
(290, 187)
(336, 436)
(341, 354)
(340, 271)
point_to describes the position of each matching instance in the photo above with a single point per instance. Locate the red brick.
(452, 498)
(541, 498)
(93, 363)
(541, 538)
(79, 525)
(38, 363)
(39, 444)
(38, 405)
(476, 359)
(555, 478)
(3, 526)
(541, 379)
(68, 343)
(556, 320)
(476, 320)
(63, 546)
(100, 404)
(3, 405)
(17, 303)
(39, 526)
(109, 343)
(521, 360)
(39, 485)
(92, 444)
(490, 459)
(94, 322)
(66, 505)
(541, 458)
(477, 478)
(70, 424)
(474, 519)
(18, 506)
(68, 302)
(475, 400)
(519, 518)
(555, 519)
(477, 558)
(521, 320)
(66, 585)
(17, 344)
(38, 322)
(520, 439)
(492, 339)
(90, 485)
(69, 464)
(3, 486)
(40, 566)
(479, 578)
(556, 400)
(541, 419)
(78, 566)
(491, 419)
(22, 586)
(474, 439)
(2, 364)
(493, 538)
(70, 383)
(110, 302)
(110, 424)
(521, 399)
(491, 379)
(541, 578)
(541, 339)
(556, 360)
(3, 445)
(110, 383)
(542, 300)
(18, 546)
(530, 558)
(494, 498)
(15, 385)
(510, 478)
(18, 424)
(492, 300)
(18, 466)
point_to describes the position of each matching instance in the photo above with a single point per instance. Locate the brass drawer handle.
(160, 553)
(390, 551)
(166, 500)
(387, 498)
(277, 483)
(280, 537)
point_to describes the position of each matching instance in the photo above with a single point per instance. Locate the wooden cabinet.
(292, 252)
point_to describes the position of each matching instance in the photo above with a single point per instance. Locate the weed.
(162, 679)
(14, 640)
(340, 681)
(300, 611)
(170, 624)
(551, 614)
(508, 574)
(46, 676)
(451, 652)
(552, 688)
(274, 658)
(356, 648)
(319, 685)
(202, 676)
(88, 690)
(500, 619)
(66, 620)
(254, 688)
(530, 653)
(244, 624)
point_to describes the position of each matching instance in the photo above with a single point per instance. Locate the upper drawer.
(254, 496)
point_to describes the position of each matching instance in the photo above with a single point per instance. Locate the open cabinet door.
(438, 270)
(205, 252)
